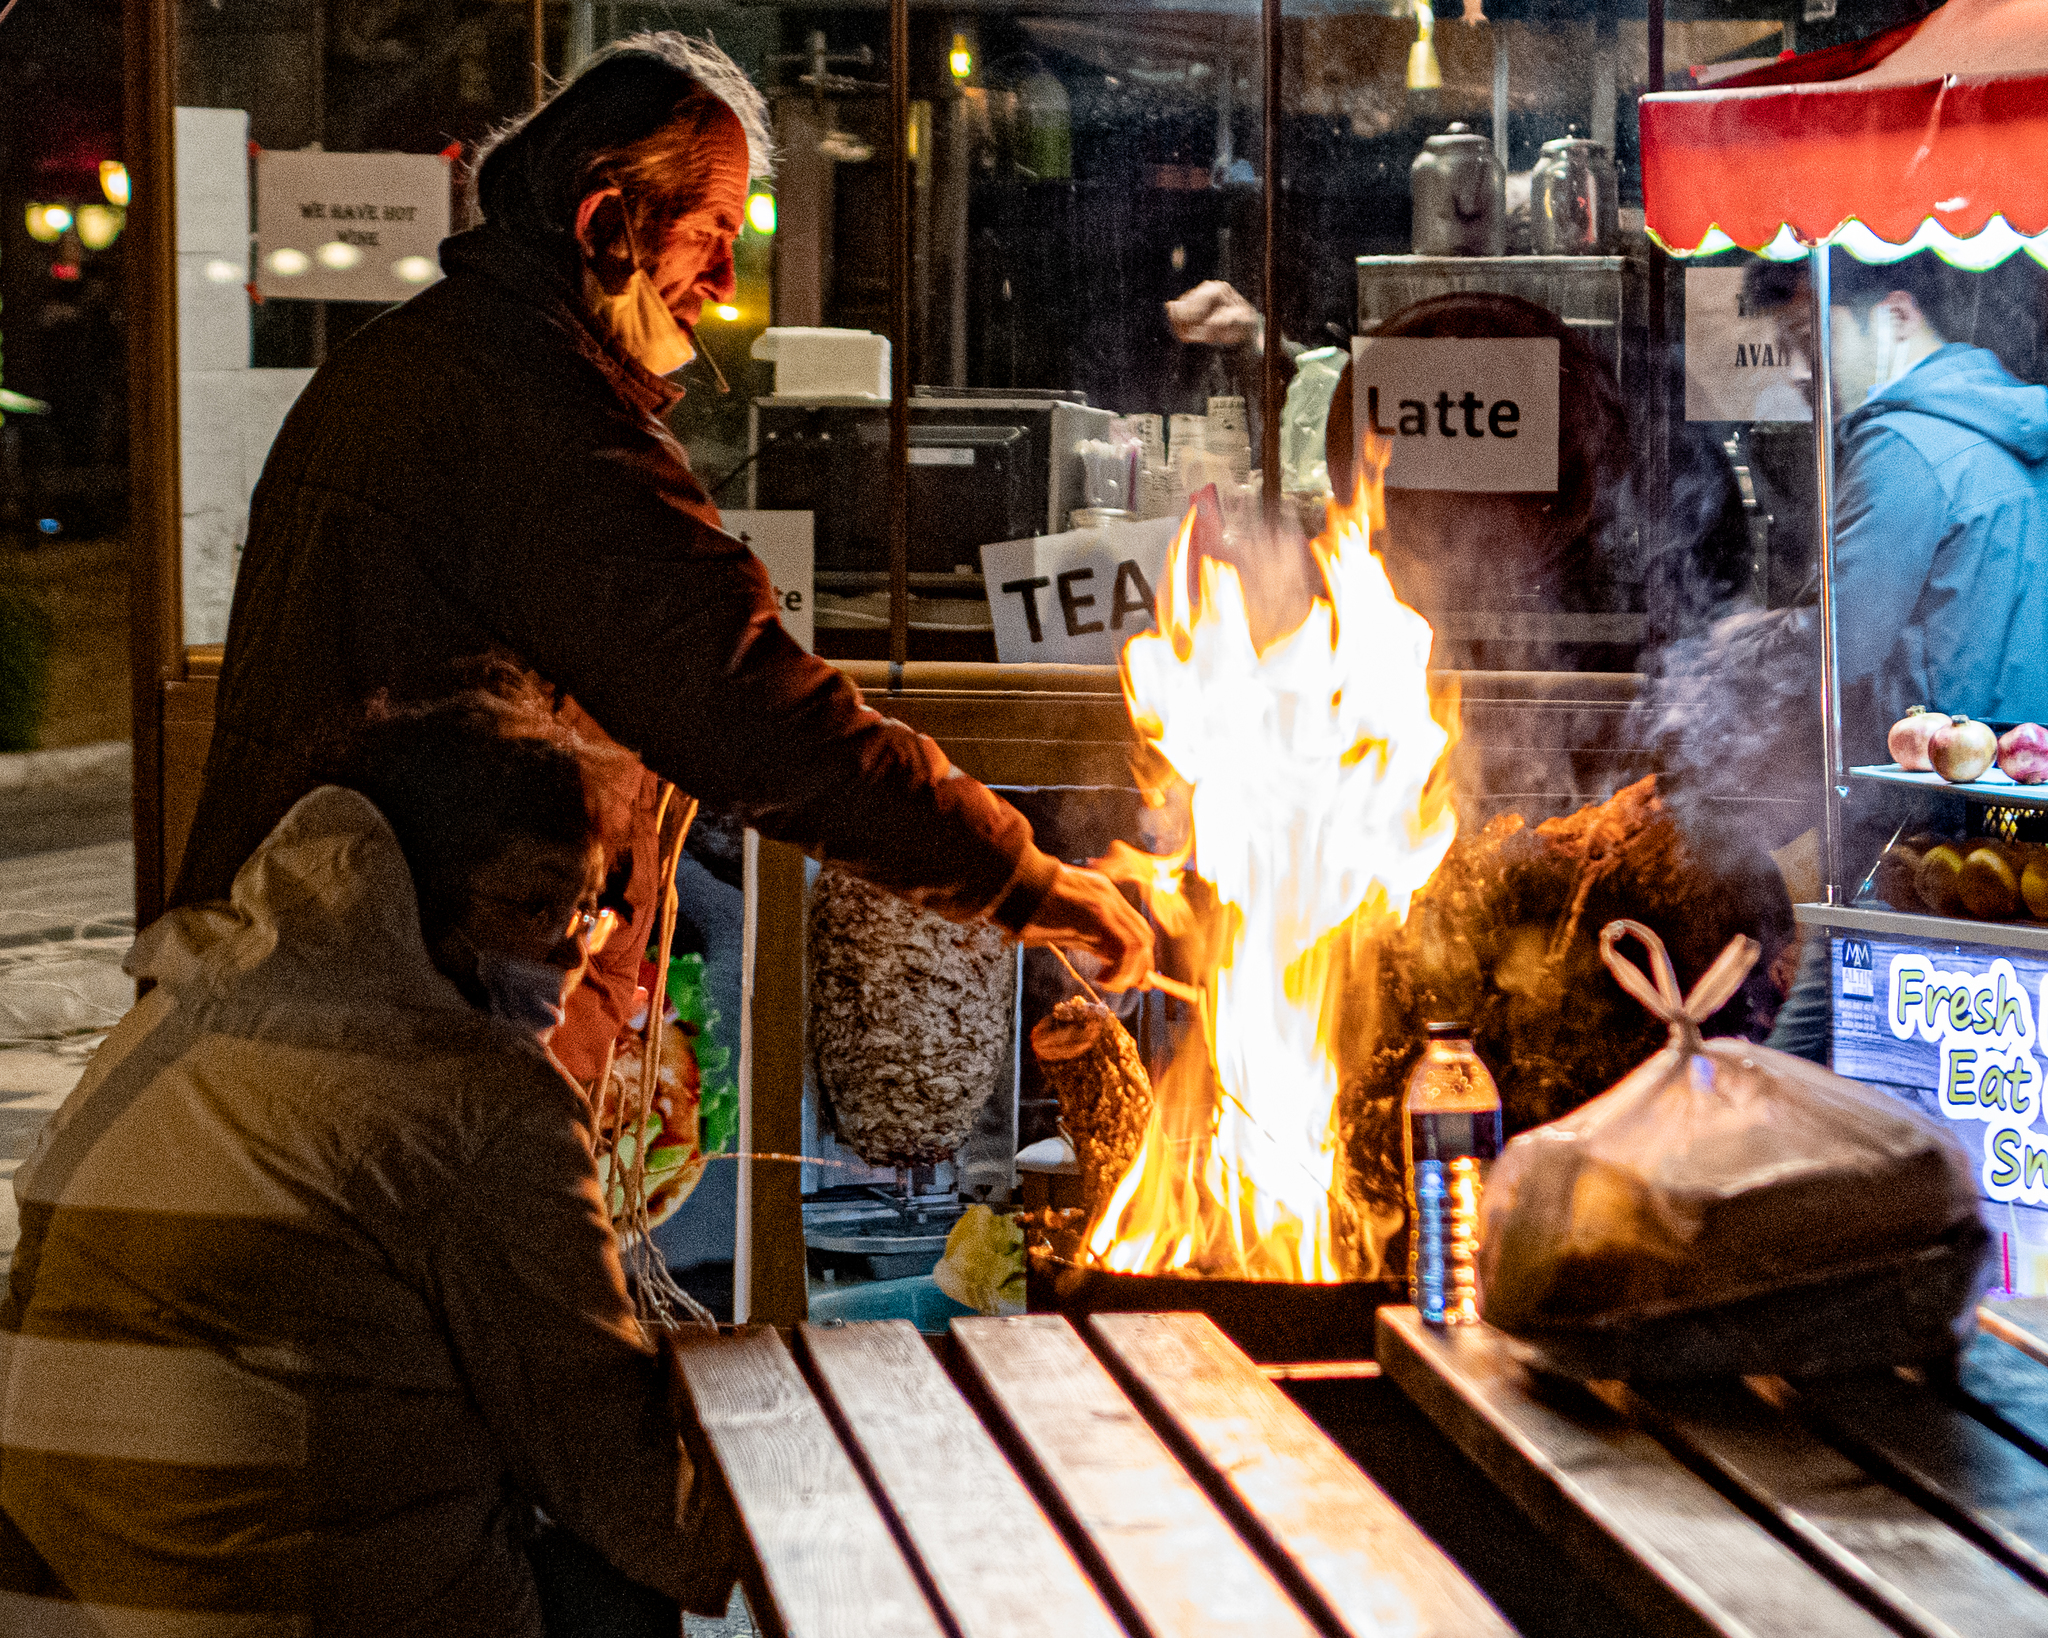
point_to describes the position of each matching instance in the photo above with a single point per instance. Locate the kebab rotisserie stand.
(1905, 157)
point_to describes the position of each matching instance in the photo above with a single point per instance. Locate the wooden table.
(1142, 1477)
(1853, 1507)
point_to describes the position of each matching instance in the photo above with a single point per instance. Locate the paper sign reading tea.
(1076, 598)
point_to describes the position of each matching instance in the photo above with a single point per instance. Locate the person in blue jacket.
(1940, 528)
(1941, 497)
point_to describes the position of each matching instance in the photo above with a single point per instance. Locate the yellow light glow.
(962, 59)
(47, 223)
(413, 269)
(1315, 772)
(288, 263)
(99, 225)
(761, 213)
(114, 181)
(726, 311)
(337, 256)
(219, 271)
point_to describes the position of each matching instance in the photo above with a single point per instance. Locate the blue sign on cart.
(1955, 1029)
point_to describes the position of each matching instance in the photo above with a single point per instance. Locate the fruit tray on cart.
(1994, 785)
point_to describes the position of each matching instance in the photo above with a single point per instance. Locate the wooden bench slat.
(1867, 1533)
(1359, 1553)
(1660, 1538)
(2010, 1388)
(2021, 1322)
(1176, 1564)
(998, 1563)
(825, 1564)
(1943, 1453)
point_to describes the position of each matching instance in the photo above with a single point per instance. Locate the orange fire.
(1314, 771)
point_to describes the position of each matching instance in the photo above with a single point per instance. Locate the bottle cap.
(1448, 1030)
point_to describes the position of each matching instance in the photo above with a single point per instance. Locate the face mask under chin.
(641, 326)
(638, 320)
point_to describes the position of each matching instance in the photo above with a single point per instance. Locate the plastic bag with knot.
(1727, 1208)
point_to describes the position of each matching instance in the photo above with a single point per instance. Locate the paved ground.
(66, 919)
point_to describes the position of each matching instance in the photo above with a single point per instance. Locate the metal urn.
(1574, 200)
(1460, 196)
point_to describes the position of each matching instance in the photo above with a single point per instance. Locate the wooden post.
(156, 619)
(899, 341)
(769, 1285)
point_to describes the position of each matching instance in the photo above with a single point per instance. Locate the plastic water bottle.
(1450, 1121)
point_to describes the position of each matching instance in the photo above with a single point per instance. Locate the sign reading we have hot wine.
(1962, 1031)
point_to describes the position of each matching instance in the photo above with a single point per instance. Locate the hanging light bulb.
(761, 213)
(961, 60)
(1424, 74)
(114, 181)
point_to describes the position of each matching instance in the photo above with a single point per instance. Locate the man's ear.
(588, 232)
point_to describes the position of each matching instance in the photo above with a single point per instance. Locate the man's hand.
(1213, 314)
(1084, 908)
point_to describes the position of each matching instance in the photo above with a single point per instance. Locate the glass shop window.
(320, 153)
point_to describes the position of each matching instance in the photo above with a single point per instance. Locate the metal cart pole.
(1824, 496)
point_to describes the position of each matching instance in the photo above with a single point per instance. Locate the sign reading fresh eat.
(1477, 416)
(1957, 1031)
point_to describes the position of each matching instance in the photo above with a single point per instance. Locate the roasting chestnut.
(2034, 885)
(1939, 879)
(2023, 753)
(1961, 749)
(1990, 883)
(1908, 738)
(1892, 881)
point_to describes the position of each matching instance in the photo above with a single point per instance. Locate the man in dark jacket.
(487, 468)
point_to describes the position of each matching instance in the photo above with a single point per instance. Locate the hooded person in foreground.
(316, 1300)
(487, 469)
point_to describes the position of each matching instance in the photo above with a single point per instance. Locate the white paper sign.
(348, 227)
(1076, 598)
(1736, 368)
(1478, 416)
(783, 543)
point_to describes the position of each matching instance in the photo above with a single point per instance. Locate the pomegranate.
(2023, 753)
(1908, 738)
(1961, 749)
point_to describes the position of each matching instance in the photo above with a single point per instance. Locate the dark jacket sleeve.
(596, 567)
(583, 1410)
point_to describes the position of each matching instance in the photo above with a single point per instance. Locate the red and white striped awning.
(1942, 145)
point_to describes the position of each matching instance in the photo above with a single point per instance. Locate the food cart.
(1918, 149)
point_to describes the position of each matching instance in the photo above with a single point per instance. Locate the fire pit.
(1277, 1322)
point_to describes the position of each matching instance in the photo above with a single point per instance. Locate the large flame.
(1315, 776)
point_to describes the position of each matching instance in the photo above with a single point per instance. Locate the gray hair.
(706, 62)
(636, 115)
